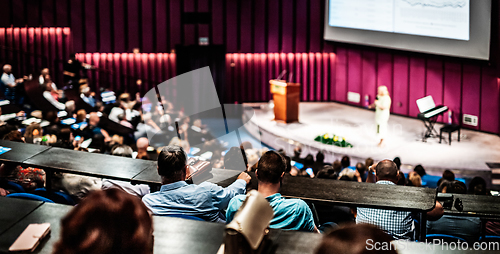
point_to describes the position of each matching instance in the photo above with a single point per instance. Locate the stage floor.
(467, 157)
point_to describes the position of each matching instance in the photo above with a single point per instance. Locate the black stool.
(449, 128)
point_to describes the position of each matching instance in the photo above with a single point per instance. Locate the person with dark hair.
(399, 224)
(327, 172)
(448, 175)
(368, 162)
(107, 222)
(477, 186)
(205, 200)
(356, 239)
(15, 136)
(346, 162)
(397, 160)
(467, 228)
(73, 71)
(289, 214)
(319, 163)
(297, 151)
(420, 170)
(361, 174)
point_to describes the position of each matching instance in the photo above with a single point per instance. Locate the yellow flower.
(335, 138)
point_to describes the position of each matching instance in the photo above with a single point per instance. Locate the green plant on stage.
(331, 139)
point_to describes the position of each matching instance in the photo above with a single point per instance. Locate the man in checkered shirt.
(399, 224)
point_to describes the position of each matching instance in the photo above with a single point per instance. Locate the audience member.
(346, 163)
(420, 170)
(142, 145)
(319, 163)
(43, 73)
(477, 186)
(414, 179)
(122, 150)
(206, 200)
(399, 224)
(15, 136)
(327, 172)
(290, 214)
(87, 96)
(361, 174)
(107, 222)
(397, 160)
(467, 228)
(93, 129)
(10, 84)
(448, 175)
(356, 239)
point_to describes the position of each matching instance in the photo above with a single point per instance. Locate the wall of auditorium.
(262, 38)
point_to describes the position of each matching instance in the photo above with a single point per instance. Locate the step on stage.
(467, 158)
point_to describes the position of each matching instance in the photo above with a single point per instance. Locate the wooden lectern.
(286, 98)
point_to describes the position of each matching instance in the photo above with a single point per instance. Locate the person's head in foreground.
(387, 170)
(356, 239)
(109, 221)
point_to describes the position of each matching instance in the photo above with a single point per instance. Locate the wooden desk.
(13, 210)
(356, 194)
(476, 205)
(46, 212)
(89, 164)
(20, 151)
(171, 235)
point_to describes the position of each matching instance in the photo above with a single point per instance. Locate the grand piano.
(429, 113)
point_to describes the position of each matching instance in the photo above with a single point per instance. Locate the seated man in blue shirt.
(206, 200)
(398, 224)
(291, 214)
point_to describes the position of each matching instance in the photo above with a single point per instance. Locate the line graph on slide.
(438, 3)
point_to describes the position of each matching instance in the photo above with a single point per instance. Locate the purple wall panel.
(47, 7)
(133, 28)
(452, 93)
(77, 25)
(61, 14)
(161, 26)
(417, 84)
(104, 26)
(231, 26)
(245, 26)
(316, 7)
(190, 34)
(312, 77)
(354, 70)
(434, 81)
(326, 80)
(333, 75)
(369, 76)
(119, 26)
(90, 16)
(341, 75)
(19, 18)
(217, 22)
(273, 27)
(5, 21)
(301, 28)
(175, 23)
(259, 26)
(384, 70)
(400, 88)
(490, 101)
(148, 26)
(471, 94)
(33, 9)
(287, 26)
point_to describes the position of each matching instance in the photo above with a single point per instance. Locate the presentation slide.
(433, 18)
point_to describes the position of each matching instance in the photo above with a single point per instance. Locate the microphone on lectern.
(281, 75)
